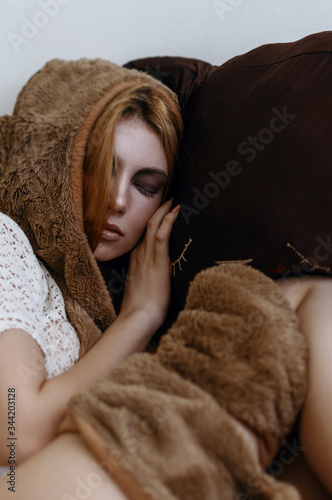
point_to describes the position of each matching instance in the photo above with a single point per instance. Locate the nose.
(118, 199)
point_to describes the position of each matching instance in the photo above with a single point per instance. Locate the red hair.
(146, 102)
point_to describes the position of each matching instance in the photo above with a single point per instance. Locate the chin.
(104, 252)
(102, 255)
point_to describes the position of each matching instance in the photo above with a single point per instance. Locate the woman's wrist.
(138, 325)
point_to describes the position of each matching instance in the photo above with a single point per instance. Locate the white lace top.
(30, 300)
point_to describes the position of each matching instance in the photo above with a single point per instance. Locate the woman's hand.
(43, 401)
(148, 280)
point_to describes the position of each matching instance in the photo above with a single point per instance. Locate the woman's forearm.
(125, 336)
(43, 403)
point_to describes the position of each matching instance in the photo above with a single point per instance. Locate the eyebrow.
(153, 171)
(146, 170)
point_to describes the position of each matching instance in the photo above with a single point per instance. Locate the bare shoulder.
(297, 289)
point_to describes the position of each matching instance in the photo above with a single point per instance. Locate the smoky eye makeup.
(150, 181)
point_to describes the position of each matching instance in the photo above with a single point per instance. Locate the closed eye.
(149, 182)
(145, 190)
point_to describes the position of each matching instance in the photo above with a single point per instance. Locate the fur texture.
(234, 353)
(42, 149)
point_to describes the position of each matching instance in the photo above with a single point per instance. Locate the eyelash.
(144, 191)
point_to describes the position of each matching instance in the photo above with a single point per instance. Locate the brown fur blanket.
(168, 419)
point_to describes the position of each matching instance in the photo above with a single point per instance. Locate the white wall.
(34, 31)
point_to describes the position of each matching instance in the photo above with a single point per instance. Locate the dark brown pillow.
(255, 174)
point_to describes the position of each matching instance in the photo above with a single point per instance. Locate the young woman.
(128, 160)
(131, 140)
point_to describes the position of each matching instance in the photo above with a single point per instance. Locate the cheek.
(144, 212)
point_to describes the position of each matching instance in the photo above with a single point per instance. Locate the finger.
(164, 232)
(154, 223)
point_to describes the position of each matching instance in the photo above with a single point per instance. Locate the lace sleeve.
(30, 300)
(22, 282)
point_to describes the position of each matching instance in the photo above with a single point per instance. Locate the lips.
(112, 232)
(113, 228)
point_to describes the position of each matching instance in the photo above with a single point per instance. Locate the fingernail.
(175, 209)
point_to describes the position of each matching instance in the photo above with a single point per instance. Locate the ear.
(6, 132)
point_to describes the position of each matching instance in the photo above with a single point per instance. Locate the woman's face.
(142, 177)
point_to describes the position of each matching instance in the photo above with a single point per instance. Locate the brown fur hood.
(42, 147)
